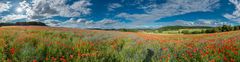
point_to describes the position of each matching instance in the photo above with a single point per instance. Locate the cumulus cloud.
(76, 21)
(5, 6)
(107, 22)
(110, 23)
(171, 8)
(84, 23)
(182, 22)
(13, 17)
(52, 22)
(113, 6)
(235, 16)
(50, 8)
(72, 23)
(90, 22)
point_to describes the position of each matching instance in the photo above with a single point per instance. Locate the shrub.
(128, 30)
(196, 32)
(185, 32)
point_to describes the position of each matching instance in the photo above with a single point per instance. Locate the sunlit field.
(46, 44)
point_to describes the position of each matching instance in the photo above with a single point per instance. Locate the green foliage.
(31, 23)
(196, 32)
(23, 24)
(186, 32)
(170, 32)
(171, 28)
(224, 28)
(128, 30)
(166, 29)
(192, 31)
(236, 27)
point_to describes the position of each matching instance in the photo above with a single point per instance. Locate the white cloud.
(171, 8)
(5, 6)
(51, 22)
(10, 18)
(90, 22)
(104, 24)
(81, 6)
(107, 22)
(206, 22)
(113, 6)
(182, 22)
(235, 16)
(49, 8)
(84, 23)
(76, 21)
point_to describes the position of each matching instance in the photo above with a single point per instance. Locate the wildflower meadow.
(45, 44)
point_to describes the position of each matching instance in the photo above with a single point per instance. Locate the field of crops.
(45, 44)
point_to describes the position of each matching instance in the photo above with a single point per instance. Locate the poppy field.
(46, 44)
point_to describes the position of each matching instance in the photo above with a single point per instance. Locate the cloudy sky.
(121, 13)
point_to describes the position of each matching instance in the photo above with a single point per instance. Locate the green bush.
(128, 30)
(196, 32)
(185, 32)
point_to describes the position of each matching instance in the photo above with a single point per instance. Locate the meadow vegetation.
(45, 44)
(184, 29)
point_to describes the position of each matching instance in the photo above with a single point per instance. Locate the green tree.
(236, 27)
(226, 28)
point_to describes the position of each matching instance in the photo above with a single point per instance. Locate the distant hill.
(167, 28)
(23, 24)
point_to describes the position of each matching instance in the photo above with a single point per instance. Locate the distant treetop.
(24, 24)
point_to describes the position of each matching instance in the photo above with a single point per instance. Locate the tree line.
(189, 29)
(224, 28)
(23, 24)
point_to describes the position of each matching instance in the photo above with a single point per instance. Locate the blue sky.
(121, 13)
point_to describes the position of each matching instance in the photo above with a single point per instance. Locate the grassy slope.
(65, 44)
